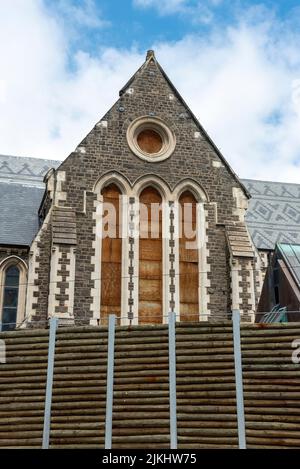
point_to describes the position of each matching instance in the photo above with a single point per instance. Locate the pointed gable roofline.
(151, 57)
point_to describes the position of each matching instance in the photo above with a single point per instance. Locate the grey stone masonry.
(104, 152)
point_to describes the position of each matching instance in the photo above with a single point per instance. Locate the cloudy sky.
(236, 63)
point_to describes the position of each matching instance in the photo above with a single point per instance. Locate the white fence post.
(48, 403)
(239, 379)
(172, 380)
(110, 380)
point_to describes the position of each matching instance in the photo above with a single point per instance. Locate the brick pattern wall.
(63, 285)
(41, 255)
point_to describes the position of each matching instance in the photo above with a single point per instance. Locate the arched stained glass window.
(10, 298)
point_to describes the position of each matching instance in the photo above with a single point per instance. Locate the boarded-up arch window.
(150, 257)
(111, 253)
(188, 258)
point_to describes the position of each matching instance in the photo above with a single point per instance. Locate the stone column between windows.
(171, 254)
(132, 268)
(96, 260)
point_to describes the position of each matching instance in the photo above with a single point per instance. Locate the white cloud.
(200, 11)
(243, 83)
(45, 110)
(246, 94)
(83, 14)
(165, 7)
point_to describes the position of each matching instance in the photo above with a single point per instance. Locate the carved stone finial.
(150, 54)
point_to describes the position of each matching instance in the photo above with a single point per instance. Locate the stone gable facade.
(64, 260)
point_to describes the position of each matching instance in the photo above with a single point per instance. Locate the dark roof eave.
(14, 245)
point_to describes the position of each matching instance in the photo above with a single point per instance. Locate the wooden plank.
(185, 253)
(150, 259)
(150, 312)
(188, 259)
(188, 282)
(206, 400)
(150, 249)
(148, 268)
(189, 312)
(111, 260)
(150, 290)
(111, 250)
(110, 284)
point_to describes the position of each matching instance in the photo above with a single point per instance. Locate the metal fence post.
(172, 380)
(51, 353)
(110, 380)
(239, 379)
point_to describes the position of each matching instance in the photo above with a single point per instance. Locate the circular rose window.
(150, 139)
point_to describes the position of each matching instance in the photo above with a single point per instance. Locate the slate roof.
(274, 213)
(24, 170)
(21, 192)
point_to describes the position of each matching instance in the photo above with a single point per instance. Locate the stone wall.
(105, 150)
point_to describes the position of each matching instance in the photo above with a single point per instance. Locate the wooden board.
(110, 283)
(111, 196)
(189, 282)
(189, 312)
(188, 259)
(150, 289)
(111, 260)
(186, 254)
(151, 249)
(150, 312)
(150, 259)
(153, 231)
(107, 310)
(148, 268)
(150, 214)
(111, 249)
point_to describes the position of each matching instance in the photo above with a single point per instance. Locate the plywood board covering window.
(188, 258)
(150, 141)
(150, 258)
(111, 255)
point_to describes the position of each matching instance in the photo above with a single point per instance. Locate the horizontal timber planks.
(200, 394)
(206, 403)
(271, 385)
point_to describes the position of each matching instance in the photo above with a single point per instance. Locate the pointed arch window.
(13, 280)
(111, 253)
(188, 258)
(150, 258)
